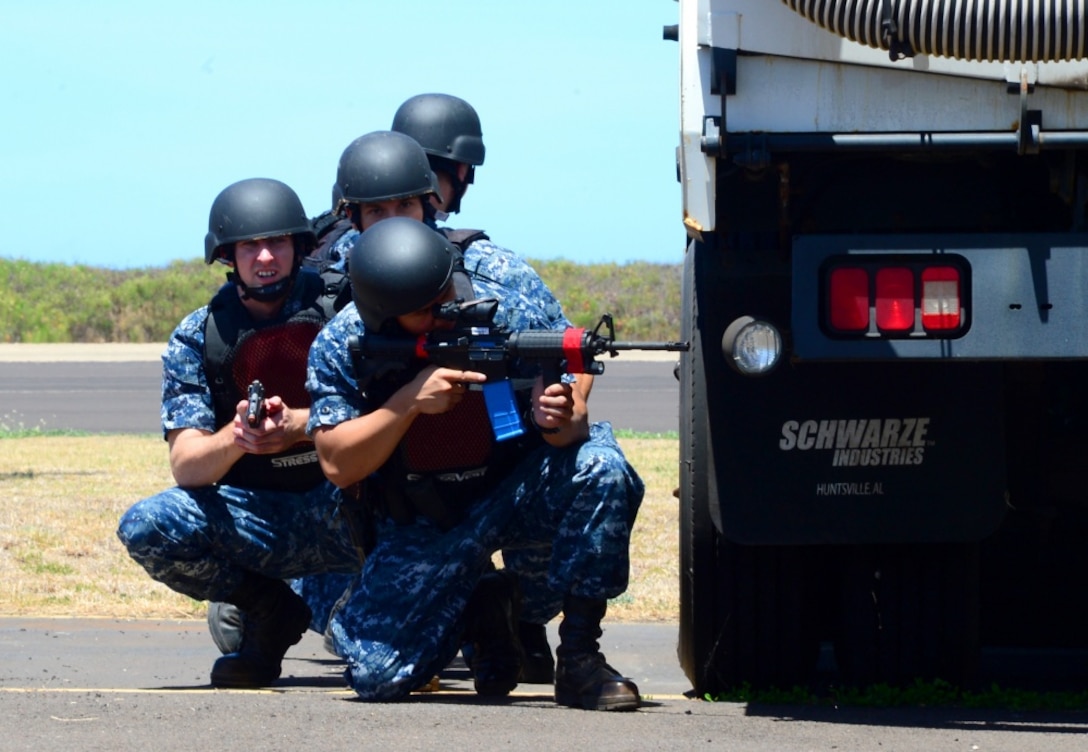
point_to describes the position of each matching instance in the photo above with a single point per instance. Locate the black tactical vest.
(238, 350)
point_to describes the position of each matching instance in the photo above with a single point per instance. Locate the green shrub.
(42, 302)
(49, 302)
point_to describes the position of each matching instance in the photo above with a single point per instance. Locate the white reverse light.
(751, 346)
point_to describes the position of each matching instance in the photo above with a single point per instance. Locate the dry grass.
(654, 591)
(61, 497)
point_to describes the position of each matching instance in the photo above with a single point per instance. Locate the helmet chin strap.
(454, 205)
(262, 293)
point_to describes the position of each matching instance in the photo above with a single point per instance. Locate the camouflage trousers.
(402, 623)
(531, 561)
(201, 541)
(323, 593)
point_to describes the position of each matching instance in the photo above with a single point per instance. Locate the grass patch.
(60, 499)
(62, 495)
(626, 433)
(34, 564)
(12, 427)
(654, 590)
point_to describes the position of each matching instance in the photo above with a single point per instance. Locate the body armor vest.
(238, 350)
(463, 238)
(444, 462)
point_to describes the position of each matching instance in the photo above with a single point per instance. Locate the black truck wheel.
(908, 612)
(747, 613)
(697, 534)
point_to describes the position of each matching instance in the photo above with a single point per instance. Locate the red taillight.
(940, 298)
(849, 299)
(895, 299)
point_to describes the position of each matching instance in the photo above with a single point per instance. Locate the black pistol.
(255, 413)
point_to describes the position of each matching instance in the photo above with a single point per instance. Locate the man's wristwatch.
(531, 417)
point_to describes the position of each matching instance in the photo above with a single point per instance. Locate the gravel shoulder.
(81, 352)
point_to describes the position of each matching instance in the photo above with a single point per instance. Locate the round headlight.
(751, 346)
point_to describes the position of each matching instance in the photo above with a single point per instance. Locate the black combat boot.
(275, 619)
(539, 665)
(491, 628)
(226, 624)
(583, 679)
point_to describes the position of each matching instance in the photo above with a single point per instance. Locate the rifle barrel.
(668, 346)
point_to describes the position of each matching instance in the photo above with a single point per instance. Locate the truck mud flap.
(859, 452)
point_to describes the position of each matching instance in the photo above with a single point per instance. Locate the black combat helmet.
(448, 129)
(398, 266)
(444, 125)
(382, 166)
(254, 208)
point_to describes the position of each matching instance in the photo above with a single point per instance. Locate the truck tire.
(908, 612)
(747, 613)
(697, 535)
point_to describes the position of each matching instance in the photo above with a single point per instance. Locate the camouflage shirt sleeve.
(186, 398)
(338, 252)
(486, 261)
(330, 375)
(525, 302)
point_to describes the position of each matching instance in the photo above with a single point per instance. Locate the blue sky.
(123, 120)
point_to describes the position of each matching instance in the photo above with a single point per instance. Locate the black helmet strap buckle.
(451, 169)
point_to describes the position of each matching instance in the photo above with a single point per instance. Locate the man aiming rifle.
(448, 495)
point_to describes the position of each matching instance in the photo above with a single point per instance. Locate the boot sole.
(592, 702)
(495, 689)
(232, 677)
(221, 684)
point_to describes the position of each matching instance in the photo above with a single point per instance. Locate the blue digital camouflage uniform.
(337, 253)
(402, 623)
(198, 541)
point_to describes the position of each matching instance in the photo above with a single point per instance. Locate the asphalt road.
(78, 684)
(112, 396)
